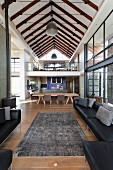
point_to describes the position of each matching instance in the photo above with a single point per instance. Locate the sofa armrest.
(15, 114)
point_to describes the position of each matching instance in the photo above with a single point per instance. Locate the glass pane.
(109, 30)
(98, 58)
(90, 49)
(98, 41)
(53, 79)
(109, 51)
(59, 79)
(90, 62)
(109, 83)
(98, 82)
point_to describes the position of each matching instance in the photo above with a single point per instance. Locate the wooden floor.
(29, 110)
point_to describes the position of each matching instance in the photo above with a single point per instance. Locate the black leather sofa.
(99, 155)
(5, 159)
(6, 127)
(101, 131)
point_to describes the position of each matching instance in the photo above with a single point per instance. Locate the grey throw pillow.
(83, 102)
(91, 101)
(7, 113)
(104, 115)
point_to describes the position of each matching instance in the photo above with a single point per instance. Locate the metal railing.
(68, 67)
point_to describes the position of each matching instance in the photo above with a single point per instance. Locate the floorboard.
(29, 110)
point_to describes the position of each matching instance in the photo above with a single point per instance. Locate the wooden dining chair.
(47, 98)
(60, 98)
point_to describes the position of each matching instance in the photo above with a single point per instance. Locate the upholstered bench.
(99, 155)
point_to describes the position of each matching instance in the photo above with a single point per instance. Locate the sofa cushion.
(99, 155)
(83, 102)
(91, 101)
(86, 112)
(2, 115)
(105, 116)
(101, 131)
(7, 113)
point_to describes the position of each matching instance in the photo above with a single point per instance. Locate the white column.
(73, 85)
(24, 58)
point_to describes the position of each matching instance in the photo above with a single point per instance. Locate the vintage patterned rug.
(53, 134)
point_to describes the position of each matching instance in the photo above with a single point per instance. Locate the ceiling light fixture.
(51, 28)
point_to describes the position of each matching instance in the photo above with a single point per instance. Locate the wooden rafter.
(9, 2)
(67, 39)
(65, 45)
(61, 46)
(33, 15)
(94, 6)
(43, 45)
(66, 21)
(69, 15)
(78, 10)
(34, 38)
(24, 9)
(50, 48)
(47, 51)
(69, 44)
(38, 29)
(62, 51)
(68, 30)
(68, 35)
(46, 48)
(41, 42)
(35, 23)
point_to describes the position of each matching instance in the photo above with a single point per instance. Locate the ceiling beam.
(67, 48)
(32, 39)
(78, 10)
(45, 48)
(38, 29)
(68, 30)
(44, 45)
(67, 22)
(68, 35)
(9, 2)
(23, 10)
(91, 4)
(69, 15)
(62, 51)
(59, 45)
(67, 43)
(47, 51)
(35, 23)
(41, 43)
(67, 39)
(33, 15)
(62, 46)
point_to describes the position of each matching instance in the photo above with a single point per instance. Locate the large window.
(56, 80)
(15, 65)
(100, 45)
(99, 58)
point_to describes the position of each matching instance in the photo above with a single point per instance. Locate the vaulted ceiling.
(72, 18)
